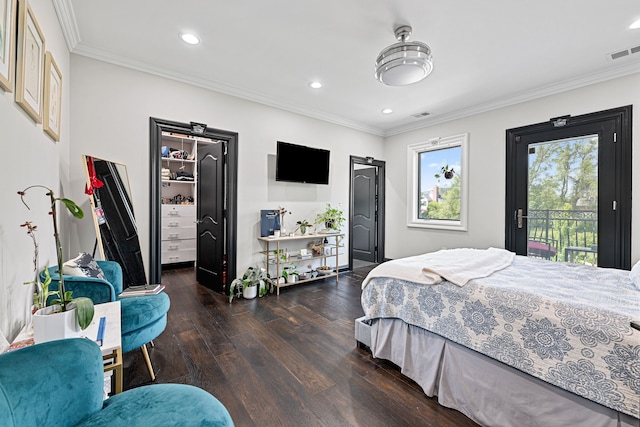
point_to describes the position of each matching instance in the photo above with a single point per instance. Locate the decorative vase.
(250, 292)
(50, 324)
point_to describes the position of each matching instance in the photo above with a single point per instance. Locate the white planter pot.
(292, 278)
(250, 292)
(50, 326)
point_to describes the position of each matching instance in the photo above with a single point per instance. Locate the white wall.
(487, 151)
(30, 157)
(110, 112)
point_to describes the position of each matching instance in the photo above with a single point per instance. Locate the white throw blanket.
(458, 266)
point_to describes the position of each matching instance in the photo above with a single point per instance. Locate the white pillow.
(84, 266)
(634, 275)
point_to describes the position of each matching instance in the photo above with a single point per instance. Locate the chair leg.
(152, 344)
(148, 361)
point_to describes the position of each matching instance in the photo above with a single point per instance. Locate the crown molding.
(66, 17)
(225, 89)
(553, 89)
(68, 24)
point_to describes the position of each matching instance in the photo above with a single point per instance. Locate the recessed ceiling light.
(315, 85)
(387, 111)
(635, 25)
(189, 38)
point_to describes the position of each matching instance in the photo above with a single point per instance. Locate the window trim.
(413, 158)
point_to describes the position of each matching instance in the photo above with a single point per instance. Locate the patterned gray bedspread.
(566, 324)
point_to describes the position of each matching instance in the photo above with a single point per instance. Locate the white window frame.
(413, 158)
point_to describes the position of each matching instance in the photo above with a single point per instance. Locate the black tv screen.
(297, 163)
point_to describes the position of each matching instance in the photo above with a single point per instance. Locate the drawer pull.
(174, 224)
(174, 247)
(174, 213)
(174, 235)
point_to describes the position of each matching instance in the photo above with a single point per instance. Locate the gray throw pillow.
(84, 266)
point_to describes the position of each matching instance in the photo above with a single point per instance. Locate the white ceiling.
(486, 54)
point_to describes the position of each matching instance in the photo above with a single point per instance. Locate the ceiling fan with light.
(405, 62)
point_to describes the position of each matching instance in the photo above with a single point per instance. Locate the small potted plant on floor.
(332, 218)
(254, 282)
(68, 314)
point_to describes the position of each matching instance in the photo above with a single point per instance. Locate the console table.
(273, 256)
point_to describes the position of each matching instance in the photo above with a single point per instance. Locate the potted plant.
(446, 171)
(332, 218)
(66, 312)
(303, 225)
(290, 273)
(254, 282)
(282, 254)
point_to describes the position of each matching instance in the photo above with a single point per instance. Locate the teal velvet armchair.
(60, 383)
(143, 318)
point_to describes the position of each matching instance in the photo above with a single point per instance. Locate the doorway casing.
(157, 126)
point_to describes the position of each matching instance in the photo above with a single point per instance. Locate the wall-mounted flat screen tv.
(298, 163)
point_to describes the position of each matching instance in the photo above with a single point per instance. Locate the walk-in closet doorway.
(209, 195)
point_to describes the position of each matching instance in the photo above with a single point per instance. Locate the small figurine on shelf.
(316, 247)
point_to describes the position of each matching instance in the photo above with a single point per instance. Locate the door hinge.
(614, 205)
(615, 137)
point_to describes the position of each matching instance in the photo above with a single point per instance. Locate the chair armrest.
(113, 272)
(98, 290)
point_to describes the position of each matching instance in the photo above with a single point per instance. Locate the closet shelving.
(178, 235)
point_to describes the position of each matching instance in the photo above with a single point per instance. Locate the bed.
(511, 341)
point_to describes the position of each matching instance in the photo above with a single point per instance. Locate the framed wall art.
(30, 70)
(7, 43)
(52, 97)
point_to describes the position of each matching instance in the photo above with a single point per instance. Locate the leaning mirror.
(113, 217)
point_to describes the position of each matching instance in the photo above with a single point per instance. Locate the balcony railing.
(564, 235)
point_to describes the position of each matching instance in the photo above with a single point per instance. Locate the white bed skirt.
(485, 390)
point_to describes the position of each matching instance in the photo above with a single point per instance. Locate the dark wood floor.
(288, 360)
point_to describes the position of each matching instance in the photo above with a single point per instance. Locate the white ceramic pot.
(250, 292)
(49, 325)
(292, 278)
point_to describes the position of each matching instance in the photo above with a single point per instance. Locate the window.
(438, 183)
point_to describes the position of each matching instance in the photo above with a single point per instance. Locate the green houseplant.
(63, 302)
(332, 218)
(253, 277)
(446, 171)
(303, 225)
(290, 273)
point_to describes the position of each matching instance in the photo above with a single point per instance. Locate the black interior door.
(364, 214)
(210, 216)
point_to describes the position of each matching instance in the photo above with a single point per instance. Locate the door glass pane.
(439, 183)
(563, 200)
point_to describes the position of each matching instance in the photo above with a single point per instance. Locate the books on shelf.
(142, 290)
